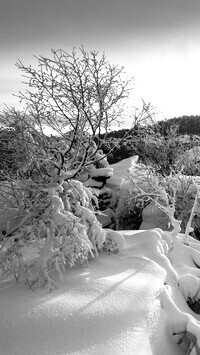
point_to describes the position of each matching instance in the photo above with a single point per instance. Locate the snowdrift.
(130, 303)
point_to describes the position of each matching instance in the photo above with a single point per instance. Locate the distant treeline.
(186, 125)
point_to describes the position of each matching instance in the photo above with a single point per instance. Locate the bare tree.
(75, 97)
(78, 96)
(144, 115)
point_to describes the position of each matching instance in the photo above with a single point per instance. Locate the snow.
(117, 304)
(108, 171)
(121, 169)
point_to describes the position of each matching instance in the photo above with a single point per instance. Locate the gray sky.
(158, 42)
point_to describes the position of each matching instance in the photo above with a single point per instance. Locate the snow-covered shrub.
(61, 230)
(51, 221)
(189, 159)
(186, 200)
(176, 195)
(138, 185)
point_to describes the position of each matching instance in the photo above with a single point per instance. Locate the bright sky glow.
(156, 41)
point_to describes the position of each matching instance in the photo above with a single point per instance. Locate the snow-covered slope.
(116, 305)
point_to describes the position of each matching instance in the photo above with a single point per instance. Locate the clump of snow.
(114, 241)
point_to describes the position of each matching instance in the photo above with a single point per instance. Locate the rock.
(109, 181)
(107, 218)
(99, 177)
(107, 172)
(131, 221)
(153, 217)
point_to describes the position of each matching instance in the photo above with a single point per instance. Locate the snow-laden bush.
(57, 236)
(176, 195)
(48, 219)
(60, 231)
(138, 185)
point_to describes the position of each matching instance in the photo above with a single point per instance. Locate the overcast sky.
(158, 42)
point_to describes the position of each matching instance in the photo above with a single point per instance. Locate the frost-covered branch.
(194, 209)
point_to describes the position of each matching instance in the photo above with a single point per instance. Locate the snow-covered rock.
(119, 170)
(112, 175)
(93, 183)
(107, 172)
(107, 218)
(98, 177)
(153, 217)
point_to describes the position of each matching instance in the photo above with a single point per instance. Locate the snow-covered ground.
(117, 305)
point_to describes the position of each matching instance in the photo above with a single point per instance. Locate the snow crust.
(129, 303)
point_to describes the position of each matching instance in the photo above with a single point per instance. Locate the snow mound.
(129, 303)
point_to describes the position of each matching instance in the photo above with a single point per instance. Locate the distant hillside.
(187, 125)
